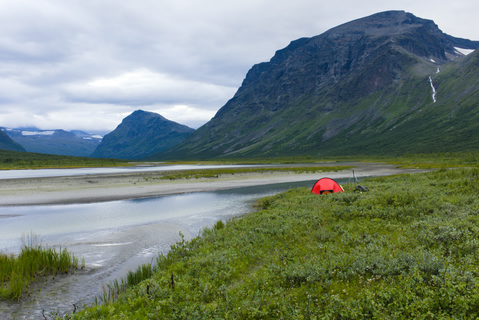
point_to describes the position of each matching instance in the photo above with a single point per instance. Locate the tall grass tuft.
(18, 272)
(111, 291)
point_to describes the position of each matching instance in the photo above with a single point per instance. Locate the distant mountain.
(365, 87)
(6, 143)
(140, 135)
(59, 142)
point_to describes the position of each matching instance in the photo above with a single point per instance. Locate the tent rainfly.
(326, 185)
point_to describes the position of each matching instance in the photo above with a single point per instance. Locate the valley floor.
(109, 187)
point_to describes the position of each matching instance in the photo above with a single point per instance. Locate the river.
(42, 173)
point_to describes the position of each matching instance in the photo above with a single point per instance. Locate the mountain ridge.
(317, 91)
(56, 141)
(6, 143)
(141, 134)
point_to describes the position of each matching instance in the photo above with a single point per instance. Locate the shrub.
(406, 249)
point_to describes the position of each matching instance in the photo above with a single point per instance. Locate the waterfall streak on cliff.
(433, 90)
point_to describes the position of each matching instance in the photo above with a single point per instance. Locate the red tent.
(326, 185)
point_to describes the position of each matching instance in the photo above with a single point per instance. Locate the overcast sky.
(86, 64)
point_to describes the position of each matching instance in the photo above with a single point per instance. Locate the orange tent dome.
(326, 185)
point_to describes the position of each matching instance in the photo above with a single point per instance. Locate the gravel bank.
(109, 187)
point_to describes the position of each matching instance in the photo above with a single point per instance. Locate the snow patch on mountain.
(37, 133)
(92, 137)
(464, 52)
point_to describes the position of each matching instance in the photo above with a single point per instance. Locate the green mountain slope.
(360, 88)
(6, 143)
(140, 135)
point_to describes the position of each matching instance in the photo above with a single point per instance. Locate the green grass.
(215, 173)
(408, 160)
(17, 273)
(433, 160)
(111, 291)
(262, 160)
(409, 248)
(25, 160)
(420, 160)
(436, 160)
(28, 160)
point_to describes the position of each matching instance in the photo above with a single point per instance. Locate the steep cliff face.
(360, 77)
(140, 135)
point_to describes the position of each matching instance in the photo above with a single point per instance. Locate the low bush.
(406, 249)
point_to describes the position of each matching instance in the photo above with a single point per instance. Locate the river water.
(41, 173)
(114, 237)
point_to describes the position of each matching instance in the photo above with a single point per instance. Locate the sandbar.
(110, 187)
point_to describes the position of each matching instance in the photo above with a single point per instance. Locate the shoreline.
(121, 186)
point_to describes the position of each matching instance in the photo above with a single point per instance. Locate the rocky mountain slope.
(140, 135)
(59, 142)
(6, 143)
(365, 87)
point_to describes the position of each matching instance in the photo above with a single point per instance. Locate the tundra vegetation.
(215, 173)
(408, 248)
(29, 160)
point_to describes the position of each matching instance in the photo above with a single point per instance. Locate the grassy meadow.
(29, 160)
(408, 248)
(215, 173)
(410, 160)
(428, 160)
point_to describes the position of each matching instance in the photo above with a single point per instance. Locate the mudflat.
(109, 187)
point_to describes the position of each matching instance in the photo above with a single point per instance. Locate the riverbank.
(109, 255)
(121, 186)
(407, 249)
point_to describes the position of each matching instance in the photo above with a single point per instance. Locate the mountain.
(364, 87)
(6, 143)
(140, 135)
(59, 142)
